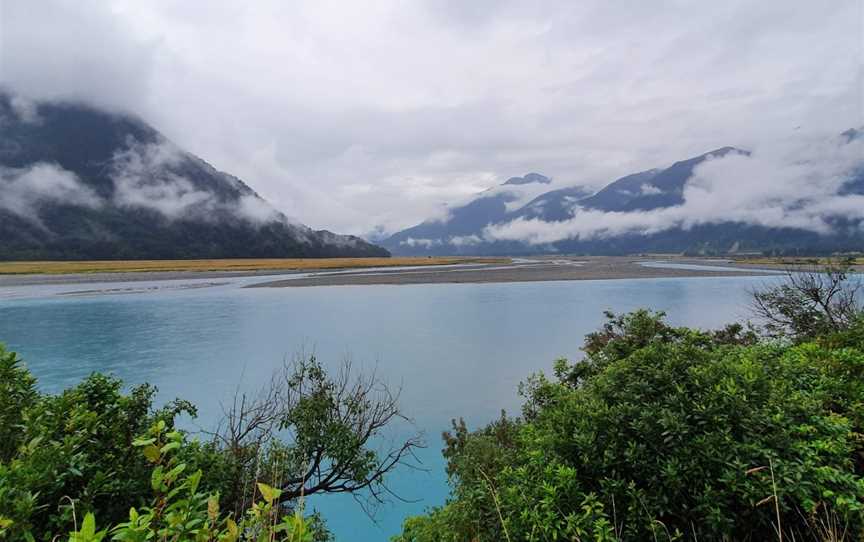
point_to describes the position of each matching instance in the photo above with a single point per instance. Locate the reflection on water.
(456, 349)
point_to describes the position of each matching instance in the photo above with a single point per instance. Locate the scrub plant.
(179, 511)
(662, 433)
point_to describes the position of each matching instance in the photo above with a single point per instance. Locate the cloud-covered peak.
(77, 182)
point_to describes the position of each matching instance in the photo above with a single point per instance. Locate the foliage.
(74, 451)
(179, 511)
(73, 455)
(811, 302)
(334, 422)
(668, 433)
(17, 394)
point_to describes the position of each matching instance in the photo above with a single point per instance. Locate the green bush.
(179, 511)
(73, 455)
(667, 433)
(72, 450)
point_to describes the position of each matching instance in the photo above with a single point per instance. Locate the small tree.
(810, 302)
(309, 433)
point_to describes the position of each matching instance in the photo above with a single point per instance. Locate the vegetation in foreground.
(661, 433)
(251, 264)
(96, 463)
(672, 433)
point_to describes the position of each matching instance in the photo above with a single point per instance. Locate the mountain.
(459, 231)
(80, 183)
(529, 178)
(641, 195)
(651, 189)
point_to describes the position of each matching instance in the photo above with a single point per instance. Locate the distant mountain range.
(81, 183)
(470, 228)
(459, 231)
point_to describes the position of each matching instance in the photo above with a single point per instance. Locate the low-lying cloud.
(148, 176)
(793, 184)
(25, 189)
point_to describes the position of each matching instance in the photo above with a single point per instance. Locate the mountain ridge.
(646, 191)
(82, 183)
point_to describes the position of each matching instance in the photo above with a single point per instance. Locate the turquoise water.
(456, 349)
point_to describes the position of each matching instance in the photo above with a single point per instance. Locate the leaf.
(270, 494)
(156, 478)
(173, 473)
(193, 480)
(233, 531)
(170, 446)
(152, 453)
(88, 527)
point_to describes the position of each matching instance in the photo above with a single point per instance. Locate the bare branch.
(311, 432)
(810, 302)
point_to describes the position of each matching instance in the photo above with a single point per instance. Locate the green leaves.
(179, 511)
(77, 450)
(88, 532)
(156, 478)
(660, 434)
(270, 494)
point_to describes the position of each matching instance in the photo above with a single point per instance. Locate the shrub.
(74, 450)
(667, 433)
(73, 455)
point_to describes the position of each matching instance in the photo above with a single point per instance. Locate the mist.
(25, 190)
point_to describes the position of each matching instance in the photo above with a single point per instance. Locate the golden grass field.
(792, 261)
(267, 264)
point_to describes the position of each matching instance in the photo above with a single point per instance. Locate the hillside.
(80, 183)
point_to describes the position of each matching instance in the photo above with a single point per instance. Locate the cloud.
(151, 175)
(649, 190)
(25, 109)
(359, 115)
(797, 183)
(23, 190)
(425, 243)
(62, 49)
(465, 240)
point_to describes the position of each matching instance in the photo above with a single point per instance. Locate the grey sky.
(350, 115)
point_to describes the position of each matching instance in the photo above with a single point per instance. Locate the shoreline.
(438, 271)
(529, 270)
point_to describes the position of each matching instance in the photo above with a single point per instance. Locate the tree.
(309, 432)
(810, 302)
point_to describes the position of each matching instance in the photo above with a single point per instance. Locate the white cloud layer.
(23, 190)
(145, 175)
(797, 183)
(357, 115)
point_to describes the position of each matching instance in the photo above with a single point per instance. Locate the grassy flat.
(266, 264)
(792, 261)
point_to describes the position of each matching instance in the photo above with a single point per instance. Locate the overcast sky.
(352, 115)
